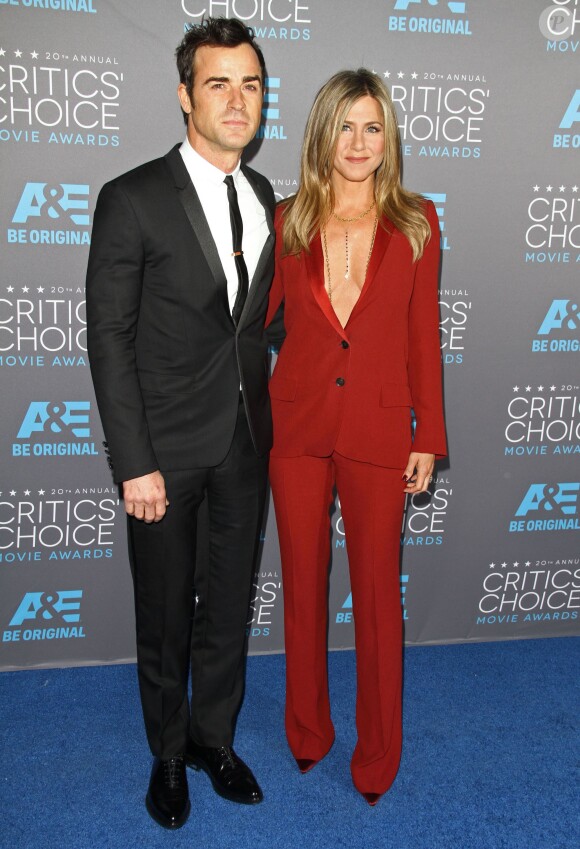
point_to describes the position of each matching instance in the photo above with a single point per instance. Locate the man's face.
(227, 101)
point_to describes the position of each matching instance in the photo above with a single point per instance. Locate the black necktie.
(237, 232)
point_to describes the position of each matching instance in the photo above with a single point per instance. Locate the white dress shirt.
(213, 195)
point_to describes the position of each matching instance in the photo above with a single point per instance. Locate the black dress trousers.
(195, 614)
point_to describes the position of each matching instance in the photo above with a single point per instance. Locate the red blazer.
(351, 390)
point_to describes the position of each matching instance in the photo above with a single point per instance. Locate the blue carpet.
(490, 759)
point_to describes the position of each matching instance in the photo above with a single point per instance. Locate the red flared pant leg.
(302, 489)
(372, 501)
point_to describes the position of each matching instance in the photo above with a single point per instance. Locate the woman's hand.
(418, 472)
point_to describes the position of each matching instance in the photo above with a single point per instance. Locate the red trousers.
(372, 501)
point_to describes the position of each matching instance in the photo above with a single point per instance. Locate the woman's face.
(361, 143)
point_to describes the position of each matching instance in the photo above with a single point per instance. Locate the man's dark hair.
(212, 32)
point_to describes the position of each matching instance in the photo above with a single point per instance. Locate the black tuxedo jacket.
(166, 358)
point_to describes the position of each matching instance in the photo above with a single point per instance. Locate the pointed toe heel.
(305, 764)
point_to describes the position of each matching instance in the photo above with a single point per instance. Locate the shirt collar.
(200, 169)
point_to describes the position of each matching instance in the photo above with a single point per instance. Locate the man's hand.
(145, 497)
(419, 471)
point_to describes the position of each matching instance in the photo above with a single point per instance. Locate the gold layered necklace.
(346, 248)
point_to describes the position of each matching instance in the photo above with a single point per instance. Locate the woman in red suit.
(357, 269)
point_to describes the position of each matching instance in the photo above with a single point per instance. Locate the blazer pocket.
(167, 383)
(283, 388)
(396, 395)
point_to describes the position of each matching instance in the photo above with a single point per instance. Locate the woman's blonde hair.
(311, 206)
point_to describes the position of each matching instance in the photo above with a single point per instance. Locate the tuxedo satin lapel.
(193, 209)
(266, 250)
(314, 262)
(257, 278)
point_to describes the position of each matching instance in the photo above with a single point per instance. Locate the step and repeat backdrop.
(488, 99)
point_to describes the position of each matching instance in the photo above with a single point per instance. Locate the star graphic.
(401, 74)
(387, 75)
(18, 53)
(9, 288)
(41, 492)
(26, 492)
(34, 54)
(40, 288)
(25, 289)
(540, 388)
(536, 188)
(516, 564)
(574, 188)
(528, 563)
(528, 388)
(562, 188)
(552, 388)
(414, 75)
(548, 188)
(12, 492)
(516, 388)
(503, 565)
(2, 51)
(492, 565)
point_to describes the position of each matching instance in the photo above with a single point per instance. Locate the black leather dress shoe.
(230, 776)
(167, 799)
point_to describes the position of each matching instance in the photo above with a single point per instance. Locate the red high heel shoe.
(305, 764)
(372, 798)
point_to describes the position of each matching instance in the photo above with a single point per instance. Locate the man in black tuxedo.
(180, 266)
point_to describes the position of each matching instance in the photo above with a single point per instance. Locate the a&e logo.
(457, 24)
(345, 615)
(272, 129)
(55, 611)
(57, 207)
(569, 122)
(560, 328)
(60, 420)
(439, 201)
(548, 507)
(61, 605)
